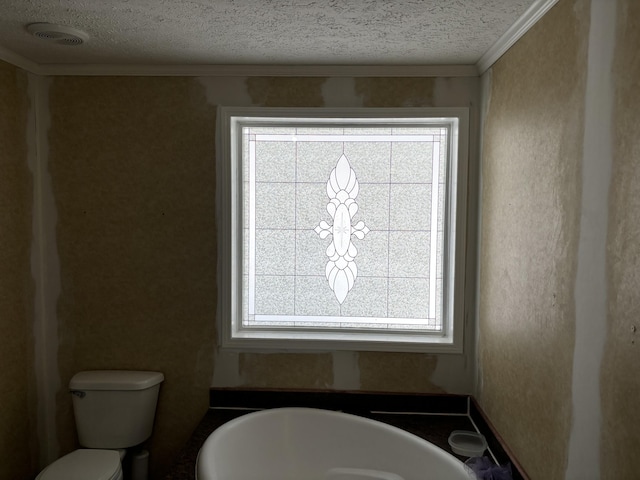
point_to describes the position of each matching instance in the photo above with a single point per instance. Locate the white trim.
(19, 61)
(534, 13)
(260, 70)
(234, 337)
(302, 137)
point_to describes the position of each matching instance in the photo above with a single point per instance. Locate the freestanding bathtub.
(311, 444)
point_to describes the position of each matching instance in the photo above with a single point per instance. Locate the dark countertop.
(431, 417)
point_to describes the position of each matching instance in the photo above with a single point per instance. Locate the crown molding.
(534, 13)
(262, 70)
(18, 60)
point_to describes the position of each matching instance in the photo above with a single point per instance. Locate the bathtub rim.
(220, 431)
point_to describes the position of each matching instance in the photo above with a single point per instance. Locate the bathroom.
(109, 258)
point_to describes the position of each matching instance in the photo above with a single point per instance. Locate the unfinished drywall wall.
(398, 372)
(620, 371)
(132, 167)
(17, 385)
(353, 370)
(591, 279)
(531, 193)
(286, 370)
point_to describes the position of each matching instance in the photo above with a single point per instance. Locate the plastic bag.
(485, 469)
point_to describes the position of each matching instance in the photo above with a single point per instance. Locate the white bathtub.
(310, 444)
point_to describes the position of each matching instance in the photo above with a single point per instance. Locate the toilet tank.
(114, 408)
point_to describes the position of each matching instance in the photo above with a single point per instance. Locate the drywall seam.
(591, 282)
(486, 83)
(45, 269)
(456, 373)
(226, 372)
(340, 92)
(223, 92)
(346, 372)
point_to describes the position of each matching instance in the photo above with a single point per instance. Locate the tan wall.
(133, 173)
(132, 162)
(132, 167)
(17, 400)
(532, 153)
(371, 370)
(620, 374)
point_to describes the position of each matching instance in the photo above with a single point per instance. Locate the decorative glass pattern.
(369, 257)
(342, 189)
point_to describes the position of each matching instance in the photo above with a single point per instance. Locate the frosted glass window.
(342, 229)
(345, 226)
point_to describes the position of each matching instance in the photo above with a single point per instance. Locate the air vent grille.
(58, 34)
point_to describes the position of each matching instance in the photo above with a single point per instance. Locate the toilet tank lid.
(82, 464)
(115, 380)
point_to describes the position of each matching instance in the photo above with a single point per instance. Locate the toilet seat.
(85, 464)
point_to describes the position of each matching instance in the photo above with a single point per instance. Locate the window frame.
(229, 216)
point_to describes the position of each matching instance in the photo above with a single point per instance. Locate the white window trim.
(228, 207)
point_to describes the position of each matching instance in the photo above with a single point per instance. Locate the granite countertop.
(430, 417)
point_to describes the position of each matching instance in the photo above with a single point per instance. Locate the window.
(345, 228)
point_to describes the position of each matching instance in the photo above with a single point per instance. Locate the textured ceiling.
(283, 32)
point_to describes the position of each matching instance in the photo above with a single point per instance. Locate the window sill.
(341, 341)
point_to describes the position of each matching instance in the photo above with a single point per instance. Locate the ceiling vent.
(58, 34)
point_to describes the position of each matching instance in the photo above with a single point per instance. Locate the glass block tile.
(363, 325)
(368, 298)
(439, 299)
(273, 130)
(441, 193)
(373, 206)
(315, 297)
(367, 131)
(245, 158)
(270, 323)
(408, 297)
(245, 204)
(275, 252)
(245, 251)
(275, 161)
(274, 295)
(409, 254)
(394, 202)
(412, 162)
(415, 131)
(410, 207)
(301, 322)
(275, 207)
(319, 130)
(411, 326)
(316, 160)
(311, 258)
(373, 254)
(245, 297)
(370, 160)
(311, 205)
(439, 254)
(442, 171)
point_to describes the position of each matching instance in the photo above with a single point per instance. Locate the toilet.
(114, 410)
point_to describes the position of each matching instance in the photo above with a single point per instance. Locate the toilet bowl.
(85, 464)
(114, 410)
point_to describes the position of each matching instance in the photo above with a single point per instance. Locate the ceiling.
(263, 32)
